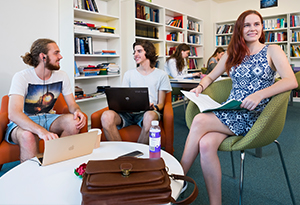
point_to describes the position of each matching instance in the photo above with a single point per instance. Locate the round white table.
(29, 183)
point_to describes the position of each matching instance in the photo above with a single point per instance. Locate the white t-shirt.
(171, 69)
(39, 96)
(155, 81)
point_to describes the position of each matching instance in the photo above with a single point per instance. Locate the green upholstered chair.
(296, 89)
(265, 130)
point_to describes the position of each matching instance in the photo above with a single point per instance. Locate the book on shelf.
(193, 38)
(207, 104)
(192, 64)
(76, 70)
(193, 51)
(94, 3)
(106, 52)
(146, 31)
(157, 48)
(179, 21)
(193, 25)
(107, 29)
(146, 13)
(172, 50)
(138, 12)
(89, 5)
(83, 45)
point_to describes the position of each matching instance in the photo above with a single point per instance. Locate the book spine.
(90, 44)
(82, 49)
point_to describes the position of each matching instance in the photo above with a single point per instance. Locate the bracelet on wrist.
(201, 87)
(156, 107)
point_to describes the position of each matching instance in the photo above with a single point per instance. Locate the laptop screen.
(127, 99)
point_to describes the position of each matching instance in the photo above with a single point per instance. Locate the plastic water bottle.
(154, 140)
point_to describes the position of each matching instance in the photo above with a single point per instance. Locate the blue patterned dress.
(253, 74)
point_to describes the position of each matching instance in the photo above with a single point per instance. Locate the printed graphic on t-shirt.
(41, 98)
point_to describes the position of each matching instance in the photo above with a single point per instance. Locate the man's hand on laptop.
(48, 135)
(151, 107)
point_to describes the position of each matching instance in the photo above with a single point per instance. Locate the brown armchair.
(131, 133)
(9, 152)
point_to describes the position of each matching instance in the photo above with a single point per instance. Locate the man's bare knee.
(108, 118)
(65, 125)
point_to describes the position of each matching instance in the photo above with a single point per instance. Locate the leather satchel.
(130, 181)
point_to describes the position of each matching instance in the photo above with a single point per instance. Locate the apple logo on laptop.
(71, 148)
(127, 98)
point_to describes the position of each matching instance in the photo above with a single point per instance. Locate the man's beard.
(50, 66)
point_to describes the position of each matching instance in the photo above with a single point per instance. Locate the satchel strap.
(193, 195)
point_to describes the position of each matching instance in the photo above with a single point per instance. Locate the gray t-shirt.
(155, 81)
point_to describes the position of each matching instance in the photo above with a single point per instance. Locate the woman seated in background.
(214, 59)
(176, 66)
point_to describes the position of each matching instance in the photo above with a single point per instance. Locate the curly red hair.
(237, 48)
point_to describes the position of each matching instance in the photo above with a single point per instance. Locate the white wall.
(21, 23)
(228, 11)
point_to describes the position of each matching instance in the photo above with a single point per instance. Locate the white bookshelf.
(129, 31)
(109, 14)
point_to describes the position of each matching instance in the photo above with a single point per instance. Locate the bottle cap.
(154, 123)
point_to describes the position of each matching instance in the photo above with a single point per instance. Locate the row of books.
(222, 40)
(83, 26)
(295, 36)
(294, 20)
(295, 51)
(177, 21)
(105, 52)
(192, 63)
(193, 51)
(275, 23)
(193, 25)
(89, 5)
(275, 36)
(83, 45)
(100, 69)
(146, 31)
(146, 13)
(175, 36)
(225, 29)
(194, 38)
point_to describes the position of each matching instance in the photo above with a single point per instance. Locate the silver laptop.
(125, 99)
(69, 147)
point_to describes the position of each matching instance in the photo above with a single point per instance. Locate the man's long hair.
(39, 46)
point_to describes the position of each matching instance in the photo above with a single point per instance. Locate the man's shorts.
(44, 120)
(135, 118)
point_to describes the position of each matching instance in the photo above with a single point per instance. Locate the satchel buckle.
(126, 168)
(126, 172)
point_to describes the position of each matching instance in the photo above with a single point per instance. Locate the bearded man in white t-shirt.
(32, 95)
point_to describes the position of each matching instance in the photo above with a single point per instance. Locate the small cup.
(97, 144)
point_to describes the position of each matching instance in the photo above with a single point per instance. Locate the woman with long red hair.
(252, 67)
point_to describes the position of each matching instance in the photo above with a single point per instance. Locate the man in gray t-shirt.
(145, 75)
